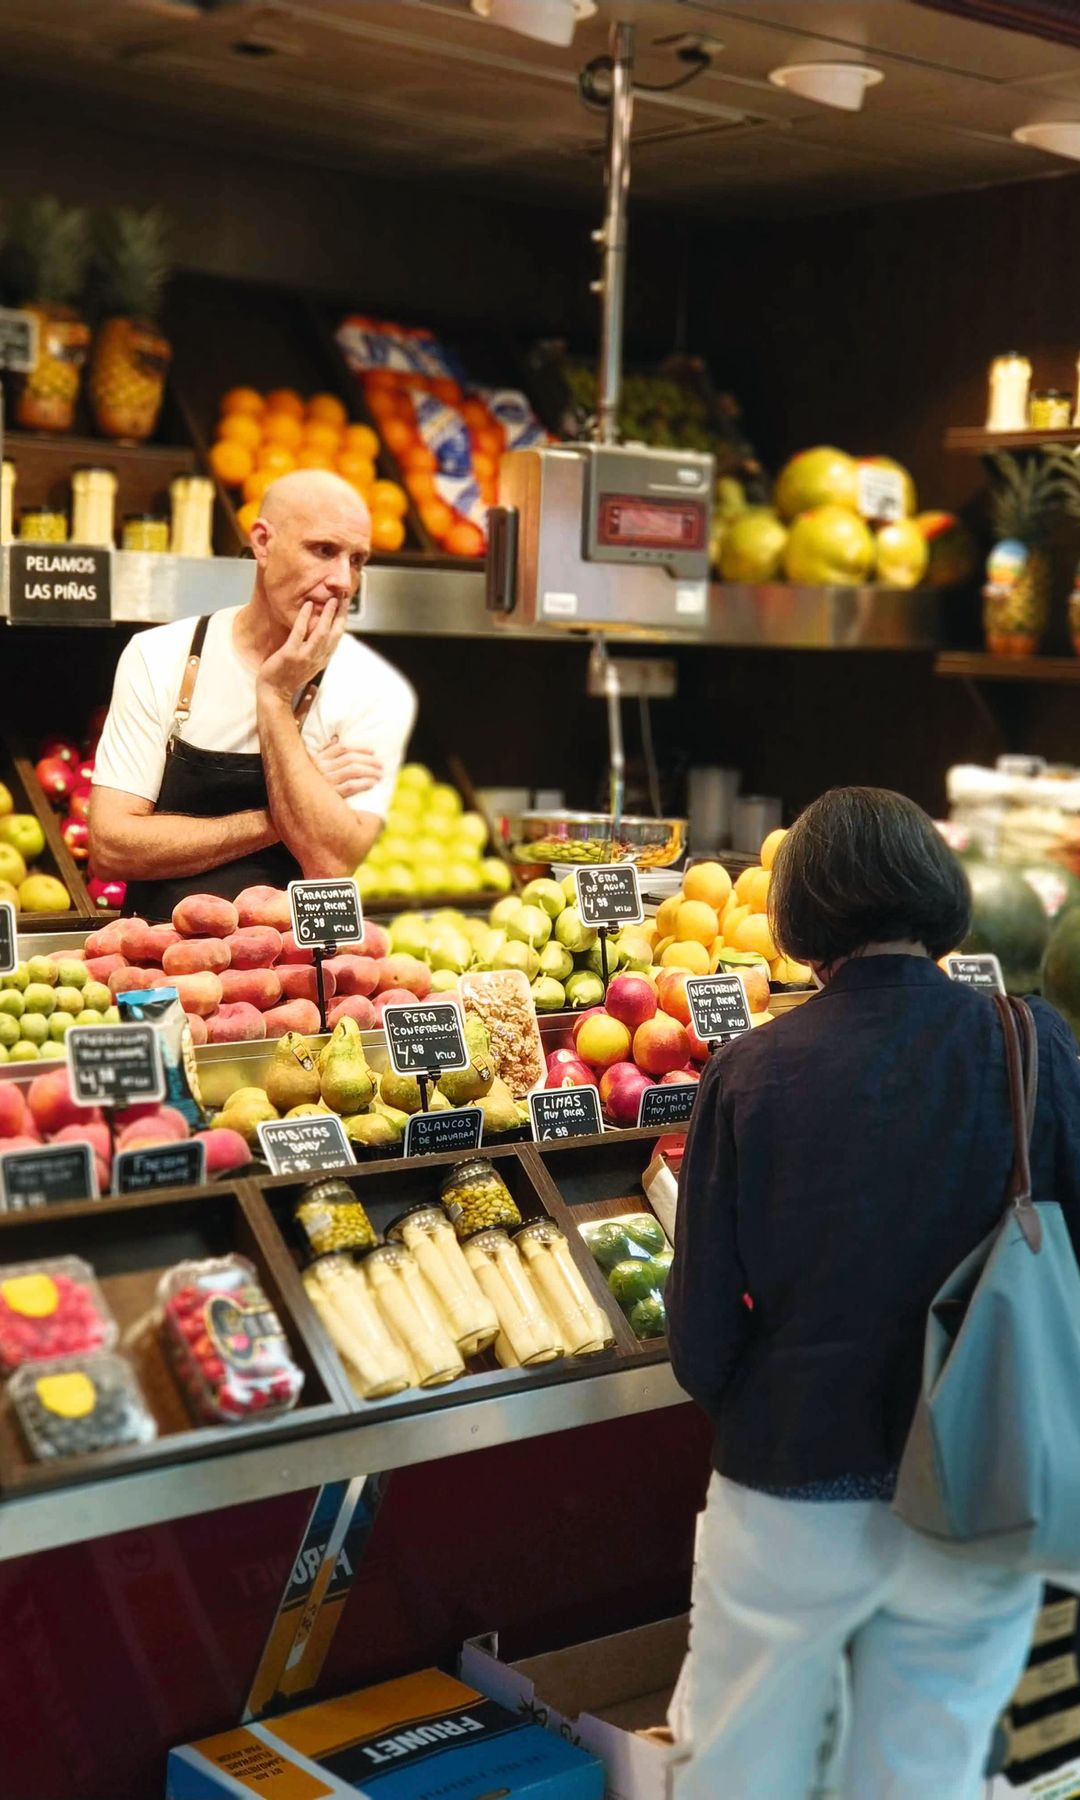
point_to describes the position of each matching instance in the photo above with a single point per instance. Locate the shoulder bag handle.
(1022, 1071)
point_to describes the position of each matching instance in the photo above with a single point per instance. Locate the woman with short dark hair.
(839, 1164)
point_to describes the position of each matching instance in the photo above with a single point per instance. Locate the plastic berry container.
(226, 1343)
(74, 1405)
(49, 1309)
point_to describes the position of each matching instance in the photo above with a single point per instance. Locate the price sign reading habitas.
(565, 1113)
(718, 1006)
(9, 947)
(426, 1036)
(43, 1177)
(326, 913)
(110, 1065)
(668, 1103)
(428, 1133)
(59, 584)
(609, 895)
(296, 1146)
(159, 1165)
(976, 971)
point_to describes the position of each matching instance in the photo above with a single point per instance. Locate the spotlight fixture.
(549, 21)
(842, 85)
(1058, 137)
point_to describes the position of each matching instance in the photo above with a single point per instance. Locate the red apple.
(79, 803)
(674, 1076)
(56, 777)
(574, 1074)
(59, 747)
(76, 835)
(589, 1013)
(661, 1044)
(621, 1088)
(108, 894)
(632, 998)
(558, 1057)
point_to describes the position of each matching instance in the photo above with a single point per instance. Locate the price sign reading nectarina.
(718, 1006)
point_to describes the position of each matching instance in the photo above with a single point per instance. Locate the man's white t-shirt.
(362, 701)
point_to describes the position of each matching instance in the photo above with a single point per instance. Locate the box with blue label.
(425, 1737)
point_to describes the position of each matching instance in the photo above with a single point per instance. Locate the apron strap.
(191, 675)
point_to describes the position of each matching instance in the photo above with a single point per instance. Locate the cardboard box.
(602, 1695)
(421, 1738)
(1062, 1784)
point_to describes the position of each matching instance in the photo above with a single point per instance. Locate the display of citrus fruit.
(771, 846)
(710, 882)
(361, 438)
(328, 408)
(285, 399)
(243, 400)
(307, 458)
(240, 428)
(360, 470)
(257, 483)
(387, 497)
(282, 427)
(696, 922)
(247, 515)
(231, 462)
(387, 531)
(465, 539)
(276, 458)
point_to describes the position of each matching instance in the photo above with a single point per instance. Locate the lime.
(633, 1280)
(609, 1244)
(647, 1232)
(648, 1319)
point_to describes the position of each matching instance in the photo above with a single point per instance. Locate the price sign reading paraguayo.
(426, 1036)
(9, 945)
(43, 1177)
(110, 1065)
(609, 895)
(296, 1146)
(159, 1165)
(982, 971)
(718, 1006)
(326, 912)
(428, 1133)
(567, 1112)
(668, 1103)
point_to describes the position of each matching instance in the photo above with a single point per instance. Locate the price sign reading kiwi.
(609, 895)
(567, 1112)
(43, 1177)
(428, 1133)
(110, 1065)
(718, 1005)
(427, 1036)
(667, 1104)
(976, 971)
(9, 945)
(159, 1165)
(326, 913)
(298, 1146)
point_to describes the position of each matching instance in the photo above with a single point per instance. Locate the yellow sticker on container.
(70, 1396)
(35, 1296)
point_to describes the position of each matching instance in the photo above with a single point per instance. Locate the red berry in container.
(49, 1309)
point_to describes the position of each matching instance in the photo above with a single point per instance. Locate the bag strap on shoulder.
(1022, 1072)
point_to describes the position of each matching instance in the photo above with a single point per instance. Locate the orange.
(257, 483)
(276, 458)
(437, 518)
(247, 515)
(285, 400)
(387, 497)
(360, 470)
(756, 893)
(666, 914)
(321, 436)
(361, 438)
(387, 531)
(230, 462)
(465, 539)
(417, 456)
(697, 922)
(752, 933)
(328, 408)
(421, 486)
(659, 947)
(282, 428)
(240, 428)
(243, 400)
(742, 886)
(399, 436)
(313, 459)
(485, 468)
(791, 973)
(708, 881)
(770, 847)
(693, 957)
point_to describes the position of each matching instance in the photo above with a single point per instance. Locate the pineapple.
(44, 267)
(131, 356)
(1028, 498)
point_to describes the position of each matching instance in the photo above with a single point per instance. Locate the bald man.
(262, 744)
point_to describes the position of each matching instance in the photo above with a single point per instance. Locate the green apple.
(12, 1004)
(12, 866)
(19, 977)
(40, 969)
(96, 995)
(395, 847)
(34, 1027)
(39, 999)
(439, 828)
(23, 1051)
(428, 849)
(398, 878)
(24, 833)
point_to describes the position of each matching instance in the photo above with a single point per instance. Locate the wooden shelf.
(975, 440)
(977, 665)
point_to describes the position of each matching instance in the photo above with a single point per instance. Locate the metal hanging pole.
(613, 233)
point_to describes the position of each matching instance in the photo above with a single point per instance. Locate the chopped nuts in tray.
(501, 999)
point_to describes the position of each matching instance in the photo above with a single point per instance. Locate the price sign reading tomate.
(110, 1065)
(669, 1103)
(159, 1165)
(429, 1132)
(426, 1036)
(9, 947)
(296, 1146)
(565, 1113)
(718, 1006)
(43, 1177)
(976, 971)
(609, 895)
(326, 912)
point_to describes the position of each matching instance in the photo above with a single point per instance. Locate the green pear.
(572, 932)
(345, 1081)
(449, 948)
(584, 989)
(504, 910)
(488, 946)
(518, 956)
(393, 1115)
(499, 1109)
(569, 888)
(409, 936)
(443, 981)
(462, 1087)
(548, 994)
(532, 925)
(307, 1108)
(556, 961)
(438, 1102)
(372, 1128)
(400, 1092)
(244, 1112)
(292, 1077)
(635, 951)
(546, 894)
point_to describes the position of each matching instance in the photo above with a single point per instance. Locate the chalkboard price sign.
(327, 912)
(428, 1133)
(297, 1146)
(59, 584)
(43, 1177)
(567, 1112)
(114, 1065)
(427, 1036)
(9, 943)
(667, 1104)
(18, 340)
(718, 1006)
(976, 971)
(609, 895)
(159, 1165)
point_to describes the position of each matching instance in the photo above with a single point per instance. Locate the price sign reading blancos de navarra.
(326, 913)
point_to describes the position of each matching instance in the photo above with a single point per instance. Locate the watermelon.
(1061, 967)
(1056, 886)
(1008, 920)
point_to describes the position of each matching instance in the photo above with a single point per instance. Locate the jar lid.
(488, 1239)
(393, 1230)
(539, 1228)
(395, 1253)
(466, 1169)
(42, 512)
(332, 1191)
(1051, 394)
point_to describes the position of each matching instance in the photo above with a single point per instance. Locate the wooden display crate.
(17, 774)
(130, 1243)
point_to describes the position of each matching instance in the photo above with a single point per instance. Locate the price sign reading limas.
(718, 1005)
(609, 895)
(158, 1166)
(44, 1177)
(976, 971)
(427, 1036)
(9, 947)
(567, 1112)
(114, 1065)
(669, 1103)
(326, 913)
(429, 1132)
(297, 1146)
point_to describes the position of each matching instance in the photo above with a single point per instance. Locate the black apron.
(209, 784)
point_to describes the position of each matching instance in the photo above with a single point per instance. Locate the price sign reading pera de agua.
(609, 895)
(326, 913)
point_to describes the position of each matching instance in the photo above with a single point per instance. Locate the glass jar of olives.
(477, 1198)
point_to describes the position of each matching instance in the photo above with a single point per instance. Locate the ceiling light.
(830, 84)
(1058, 137)
(549, 21)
